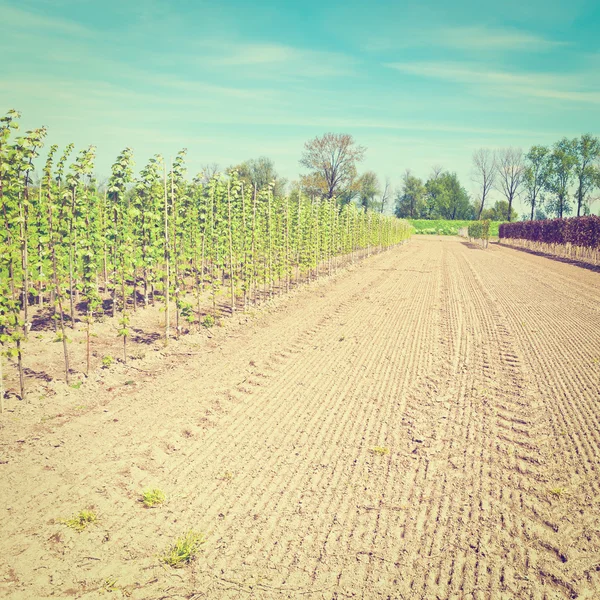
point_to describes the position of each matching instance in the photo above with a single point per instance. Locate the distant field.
(442, 227)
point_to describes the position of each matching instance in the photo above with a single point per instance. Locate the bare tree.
(436, 172)
(332, 161)
(484, 174)
(385, 195)
(510, 172)
(208, 171)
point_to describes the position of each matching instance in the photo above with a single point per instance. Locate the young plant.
(153, 497)
(124, 333)
(81, 520)
(183, 550)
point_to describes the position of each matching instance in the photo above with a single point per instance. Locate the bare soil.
(423, 425)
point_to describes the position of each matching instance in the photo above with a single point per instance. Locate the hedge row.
(577, 231)
(480, 230)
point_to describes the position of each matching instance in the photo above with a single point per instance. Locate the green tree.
(587, 172)
(410, 199)
(368, 188)
(561, 173)
(260, 172)
(535, 174)
(446, 198)
(500, 212)
(453, 203)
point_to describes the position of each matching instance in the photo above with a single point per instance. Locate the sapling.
(124, 333)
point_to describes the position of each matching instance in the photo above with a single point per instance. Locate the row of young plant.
(158, 237)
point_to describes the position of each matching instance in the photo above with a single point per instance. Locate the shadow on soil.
(37, 374)
(568, 261)
(472, 246)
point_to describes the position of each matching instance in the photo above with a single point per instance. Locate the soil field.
(423, 425)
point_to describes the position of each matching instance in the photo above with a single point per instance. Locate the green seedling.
(81, 521)
(183, 550)
(208, 321)
(380, 450)
(153, 497)
(107, 361)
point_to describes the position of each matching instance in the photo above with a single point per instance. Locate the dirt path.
(479, 372)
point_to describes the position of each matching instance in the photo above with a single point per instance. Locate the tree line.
(555, 180)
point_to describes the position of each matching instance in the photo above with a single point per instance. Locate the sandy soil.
(479, 371)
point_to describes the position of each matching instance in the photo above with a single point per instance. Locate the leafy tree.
(331, 160)
(445, 198)
(501, 211)
(535, 174)
(260, 172)
(560, 175)
(587, 172)
(368, 188)
(410, 200)
(453, 202)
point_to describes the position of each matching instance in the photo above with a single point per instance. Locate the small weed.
(80, 407)
(183, 550)
(208, 321)
(110, 585)
(76, 385)
(557, 492)
(380, 450)
(154, 497)
(80, 521)
(130, 382)
(107, 361)
(226, 476)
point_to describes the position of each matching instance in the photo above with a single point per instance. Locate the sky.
(418, 83)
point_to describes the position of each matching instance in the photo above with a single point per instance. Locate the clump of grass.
(153, 497)
(557, 492)
(76, 385)
(80, 521)
(208, 321)
(183, 550)
(380, 450)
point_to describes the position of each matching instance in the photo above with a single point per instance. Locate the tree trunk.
(20, 367)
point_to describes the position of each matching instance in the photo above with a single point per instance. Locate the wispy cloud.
(269, 59)
(485, 38)
(467, 38)
(36, 22)
(575, 87)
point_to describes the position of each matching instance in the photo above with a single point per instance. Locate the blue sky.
(417, 83)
